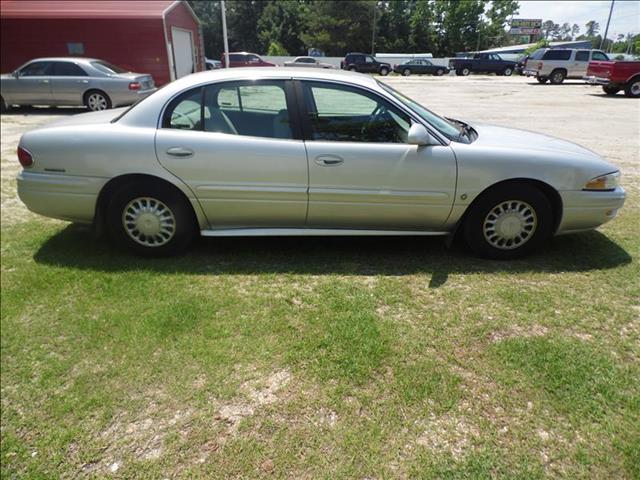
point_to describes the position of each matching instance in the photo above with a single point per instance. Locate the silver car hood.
(89, 118)
(513, 138)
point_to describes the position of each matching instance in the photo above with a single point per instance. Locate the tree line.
(440, 27)
(291, 27)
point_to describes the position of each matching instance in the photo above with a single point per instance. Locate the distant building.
(516, 50)
(163, 38)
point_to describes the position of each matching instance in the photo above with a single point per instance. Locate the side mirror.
(418, 135)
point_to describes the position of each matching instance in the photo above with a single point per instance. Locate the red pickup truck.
(615, 76)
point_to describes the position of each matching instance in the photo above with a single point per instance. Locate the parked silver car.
(74, 81)
(307, 62)
(284, 151)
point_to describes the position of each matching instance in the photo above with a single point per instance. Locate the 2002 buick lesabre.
(245, 152)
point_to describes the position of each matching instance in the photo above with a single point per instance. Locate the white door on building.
(183, 52)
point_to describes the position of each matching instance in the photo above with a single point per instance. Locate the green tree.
(276, 49)
(592, 28)
(284, 22)
(242, 24)
(422, 36)
(209, 14)
(575, 31)
(498, 15)
(338, 27)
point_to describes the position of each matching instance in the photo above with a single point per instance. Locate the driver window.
(36, 69)
(344, 114)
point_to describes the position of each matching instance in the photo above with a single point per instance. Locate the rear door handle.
(180, 152)
(44, 81)
(328, 160)
(83, 81)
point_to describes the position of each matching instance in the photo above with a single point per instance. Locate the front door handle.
(328, 160)
(180, 152)
(44, 81)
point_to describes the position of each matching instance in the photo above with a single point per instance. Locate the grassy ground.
(318, 358)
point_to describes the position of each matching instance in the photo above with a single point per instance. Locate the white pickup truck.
(556, 64)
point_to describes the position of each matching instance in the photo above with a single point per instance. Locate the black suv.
(363, 63)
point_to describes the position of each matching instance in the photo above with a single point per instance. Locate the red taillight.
(134, 86)
(24, 157)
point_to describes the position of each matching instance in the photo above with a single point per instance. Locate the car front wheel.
(507, 71)
(150, 219)
(508, 222)
(384, 71)
(406, 72)
(439, 72)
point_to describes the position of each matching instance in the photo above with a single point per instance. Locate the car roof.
(259, 73)
(65, 59)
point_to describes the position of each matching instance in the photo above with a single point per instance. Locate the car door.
(238, 149)
(579, 64)
(426, 66)
(33, 84)
(362, 172)
(370, 64)
(69, 81)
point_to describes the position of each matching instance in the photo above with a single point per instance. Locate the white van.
(556, 64)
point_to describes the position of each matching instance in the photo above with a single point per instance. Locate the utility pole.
(373, 31)
(224, 35)
(606, 30)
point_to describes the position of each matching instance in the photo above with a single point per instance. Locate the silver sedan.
(307, 62)
(251, 152)
(74, 81)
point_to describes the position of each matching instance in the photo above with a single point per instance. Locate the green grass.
(319, 358)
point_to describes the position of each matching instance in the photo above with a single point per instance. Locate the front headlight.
(604, 182)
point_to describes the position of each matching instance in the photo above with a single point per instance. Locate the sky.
(625, 17)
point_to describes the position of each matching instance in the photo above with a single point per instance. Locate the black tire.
(384, 71)
(182, 227)
(465, 71)
(439, 72)
(632, 88)
(610, 90)
(531, 203)
(557, 77)
(542, 79)
(97, 100)
(406, 72)
(507, 71)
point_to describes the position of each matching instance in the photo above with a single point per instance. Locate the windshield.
(444, 126)
(108, 67)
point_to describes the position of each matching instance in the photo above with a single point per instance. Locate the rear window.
(538, 54)
(557, 55)
(108, 68)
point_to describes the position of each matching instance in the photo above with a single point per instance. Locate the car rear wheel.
(352, 68)
(406, 72)
(507, 71)
(465, 71)
(508, 222)
(557, 77)
(150, 219)
(610, 90)
(542, 79)
(632, 89)
(96, 101)
(439, 72)
(384, 71)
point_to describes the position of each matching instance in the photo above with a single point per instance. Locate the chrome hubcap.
(149, 222)
(635, 88)
(465, 72)
(510, 224)
(557, 77)
(97, 102)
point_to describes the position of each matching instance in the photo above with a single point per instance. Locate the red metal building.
(163, 38)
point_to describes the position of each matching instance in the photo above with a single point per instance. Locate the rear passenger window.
(557, 55)
(248, 108)
(582, 56)
(185, 112)
(68, 69)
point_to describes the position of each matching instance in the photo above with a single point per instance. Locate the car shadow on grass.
(75, 247)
